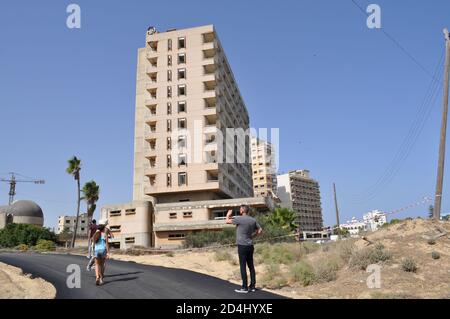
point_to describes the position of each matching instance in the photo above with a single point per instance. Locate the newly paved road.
(126, 279)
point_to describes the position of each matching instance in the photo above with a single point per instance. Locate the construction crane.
(13, 181)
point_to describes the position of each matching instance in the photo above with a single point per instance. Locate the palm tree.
(74, 169)
(91, 192)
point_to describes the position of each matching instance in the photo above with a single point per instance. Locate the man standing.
(247, 228)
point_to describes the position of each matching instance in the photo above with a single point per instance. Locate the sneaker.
(241, 290)
(97, 282)
(88, 268)
(252, 289)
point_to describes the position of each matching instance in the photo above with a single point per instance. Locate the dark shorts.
(100, 254)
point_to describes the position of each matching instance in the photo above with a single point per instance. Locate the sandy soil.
(432, 279)
(16, 285)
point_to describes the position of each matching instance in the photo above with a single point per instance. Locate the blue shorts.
(100, 254)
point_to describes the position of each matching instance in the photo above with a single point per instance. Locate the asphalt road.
(126, 279)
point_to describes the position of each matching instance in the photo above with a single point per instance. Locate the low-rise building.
(354, 226)
(66, 222)
(374, 220)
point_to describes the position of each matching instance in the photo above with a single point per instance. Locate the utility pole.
(440, 173)
(337, 211)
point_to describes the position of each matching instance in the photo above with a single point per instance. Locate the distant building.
(300, 193)
(68, 222)
(374, 220)
(263, 168)
(354, 226)
(21, 212)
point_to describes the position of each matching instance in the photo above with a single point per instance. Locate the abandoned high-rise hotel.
(188, 168)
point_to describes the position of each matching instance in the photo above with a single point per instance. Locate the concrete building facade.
(68, 222)
(263, 168)
(374, 220)
(300, 193)
(191, 145)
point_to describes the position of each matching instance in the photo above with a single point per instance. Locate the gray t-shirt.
(246, 226)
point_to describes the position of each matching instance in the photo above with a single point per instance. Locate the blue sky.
(344, 96)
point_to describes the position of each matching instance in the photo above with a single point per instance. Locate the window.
(181, 141)
(169, 60)
(115, 228)
(182, 179)
(169, 45)
(129, 240)
(181, 106)
(169, 91)
(176, 236)
(181, 74)
(182, 159)
(114, 213)
(169, 143)
(187, 214)
(181, 43)
(83, 221)
(181, 58)
(130, 211)
(169, 108)
(169, 125)
(169, 180)
(182, 90)
(182, 123)
(67, 221)
(172, 215)
(169, 161)
(169, 75)
(82, 229)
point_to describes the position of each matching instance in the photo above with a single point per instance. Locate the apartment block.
(68, 222)
(192, 141)
(263, 168)
(300, 193)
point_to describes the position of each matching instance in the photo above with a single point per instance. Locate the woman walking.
(101, 250)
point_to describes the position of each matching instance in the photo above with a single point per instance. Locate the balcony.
(153, 62)
(208, 37)
(209, 69)
(210, 157)
(153, 76)
(152, 90)
(152, 46)
(212, 176)
(152, 126)
(210, 103)
(209, 85)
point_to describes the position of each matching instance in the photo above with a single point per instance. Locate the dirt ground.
(16, 285)
(403, 240)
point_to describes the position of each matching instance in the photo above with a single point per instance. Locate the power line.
(411, 138)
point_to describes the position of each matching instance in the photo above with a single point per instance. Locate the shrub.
(170, 254)
(326, 270)
(45, 245)
(431, 241)
(272, 277)
(409, 265)
(435, 255)
(308, 247)
(15, 234)
(210, 238)
(22, 247)
(281, 253)
(302, 272)
(367, 256)
(224, 255)
(345, 249)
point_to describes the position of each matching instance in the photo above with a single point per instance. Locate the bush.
(224, 255)
(302, 272)
(272, 277)
(170, 254)
(22, 247)
(15, 234)
(210, 238)
(326, 270)
(281, 253)
(431, 241)
(435, 255)
(409, 265)
(367, 256)
(45, 245)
